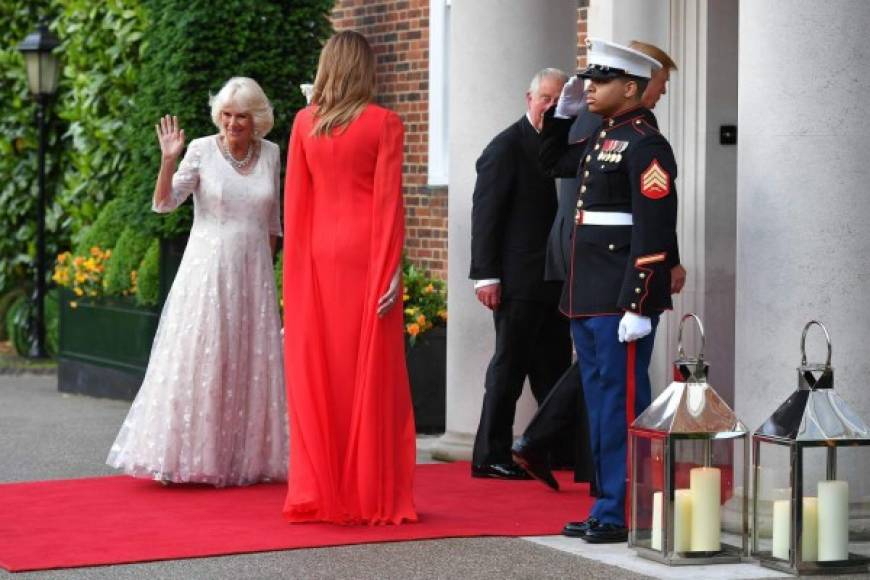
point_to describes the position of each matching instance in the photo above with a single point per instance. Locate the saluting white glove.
(633, 327)
(572, 99)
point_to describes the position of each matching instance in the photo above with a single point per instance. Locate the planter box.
(105, 344)
(427, 371)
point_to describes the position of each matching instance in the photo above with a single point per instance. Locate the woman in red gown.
(352, 436)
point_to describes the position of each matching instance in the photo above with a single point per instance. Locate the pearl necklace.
(237, 163)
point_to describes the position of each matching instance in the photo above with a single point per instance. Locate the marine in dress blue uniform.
(623, 248)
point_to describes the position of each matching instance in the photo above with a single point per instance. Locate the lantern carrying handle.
(804, 342)
(680, 351)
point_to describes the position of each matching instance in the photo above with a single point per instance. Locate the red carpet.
(115, 520)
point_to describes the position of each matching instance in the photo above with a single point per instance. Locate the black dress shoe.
(499, 471)
(533, 465)
(606, 534)
(579, 529)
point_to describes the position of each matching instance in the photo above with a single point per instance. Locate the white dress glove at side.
(633, 327)
(572, 100)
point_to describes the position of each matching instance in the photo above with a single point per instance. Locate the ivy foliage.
(101, 46)
(193, 49)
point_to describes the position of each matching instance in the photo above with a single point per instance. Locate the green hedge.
(148, 284)
(126, 257)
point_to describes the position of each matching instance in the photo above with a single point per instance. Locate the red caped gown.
(352, 436)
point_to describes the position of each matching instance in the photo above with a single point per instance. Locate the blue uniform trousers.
(604, 370)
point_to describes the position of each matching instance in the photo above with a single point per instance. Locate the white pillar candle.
(706, 486)
(833, 520)
(656, 541)
(682, 520)
(782, 529)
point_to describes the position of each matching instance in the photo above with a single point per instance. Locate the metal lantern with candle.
(687, 450)
(803, 456)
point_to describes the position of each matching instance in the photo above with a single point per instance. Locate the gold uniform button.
(588, 158)
(633, 306)
(579, 203)
(610, 122)
(586, 173)
(637, 122)
(642, 275)
(582, 189)
(637, 290)
(611, 247)
(597, 146)
(604, 133)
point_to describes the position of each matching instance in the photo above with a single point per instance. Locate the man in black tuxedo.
(514, 206)
(565, 406)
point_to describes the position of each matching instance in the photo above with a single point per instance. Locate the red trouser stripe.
(630, 395)
(631, 364)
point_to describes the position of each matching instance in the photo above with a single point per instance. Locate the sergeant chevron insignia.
(655, 182)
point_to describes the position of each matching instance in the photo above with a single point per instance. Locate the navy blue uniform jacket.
(626, 166)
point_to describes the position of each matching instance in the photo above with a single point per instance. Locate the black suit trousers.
(563, 413)
(532, 340)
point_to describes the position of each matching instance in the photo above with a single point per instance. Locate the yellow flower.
(405, 297)
(80, 277)
(421, 320)
(429, 289)
(78, 291)
(442, 314)
(73, 304)
(90, 264)
(410, 311)
(413, 329)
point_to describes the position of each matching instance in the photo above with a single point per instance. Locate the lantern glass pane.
(772, 506)
(648, 476)
(709, 516)
(31, 60)
(48, 69)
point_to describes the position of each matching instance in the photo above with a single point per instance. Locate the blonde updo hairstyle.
(247, 94)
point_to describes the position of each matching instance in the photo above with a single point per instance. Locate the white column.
(803, 199)
(496, 46)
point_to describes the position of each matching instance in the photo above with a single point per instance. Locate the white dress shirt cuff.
(478, 284)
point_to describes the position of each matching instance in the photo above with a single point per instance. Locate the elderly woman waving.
(211, 408)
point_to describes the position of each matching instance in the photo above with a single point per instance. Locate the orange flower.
(421, 320)
(442, 314)
(413, 329)
(429, 289)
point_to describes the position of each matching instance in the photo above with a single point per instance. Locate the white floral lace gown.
(211, 408)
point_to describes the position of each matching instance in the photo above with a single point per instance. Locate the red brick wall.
(399, 33)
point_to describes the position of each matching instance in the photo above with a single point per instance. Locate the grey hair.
(246, 93)
(546, 73)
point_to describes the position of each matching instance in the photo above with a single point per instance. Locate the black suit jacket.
(559, 242)
(514, 206)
